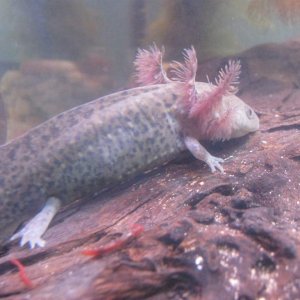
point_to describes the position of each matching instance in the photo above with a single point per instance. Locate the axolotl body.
(100, 143)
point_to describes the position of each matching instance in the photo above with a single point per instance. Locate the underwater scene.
(150, 149)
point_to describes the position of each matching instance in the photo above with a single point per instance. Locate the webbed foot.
(37, 226)
(201, 153)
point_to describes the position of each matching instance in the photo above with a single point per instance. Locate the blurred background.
(57, 54)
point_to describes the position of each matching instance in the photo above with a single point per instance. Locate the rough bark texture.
(206, 235)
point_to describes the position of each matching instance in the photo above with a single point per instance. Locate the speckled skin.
(85, 149)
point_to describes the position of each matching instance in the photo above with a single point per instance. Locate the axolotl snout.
(95, 145)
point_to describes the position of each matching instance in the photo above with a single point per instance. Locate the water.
(58, 54)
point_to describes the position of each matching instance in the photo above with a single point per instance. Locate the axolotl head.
(218, 116)
(241, 117)
(206, 110)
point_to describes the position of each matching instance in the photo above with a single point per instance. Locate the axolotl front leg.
(32, 232)
(201, 153)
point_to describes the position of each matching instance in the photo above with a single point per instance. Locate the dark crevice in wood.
(9, 295)
(284, 127)
(225, 190)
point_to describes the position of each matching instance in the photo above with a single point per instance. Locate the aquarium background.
(58, 54)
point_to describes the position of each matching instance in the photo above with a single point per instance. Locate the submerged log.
(205, 235)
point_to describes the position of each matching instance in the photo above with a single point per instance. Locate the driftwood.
(207, 236)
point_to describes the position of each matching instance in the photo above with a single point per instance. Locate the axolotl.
(95, 145)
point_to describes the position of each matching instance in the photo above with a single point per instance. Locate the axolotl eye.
(249, 112)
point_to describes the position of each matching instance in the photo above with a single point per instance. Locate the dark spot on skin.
(135, 134)
(45, 138)
(14, 177)
(121, 144)
(126, 119)
(54, 131)
(137, 119)
(148, 150)
(144, 128)
(60, 116)
(140, 147)
(161, 140)
(156, 132)
(2, 182)
(167, 103)
(50, 185)
(150, 140)
(72, 120)
(16, 146)
(174, 97)
(12, 154)
(99, 152)
(14, 168)
(87, 114)
(130, 112)
(15, 209)
(134, 150)
(27, 142)
(107, 129)
(26, 158)
(78, 138)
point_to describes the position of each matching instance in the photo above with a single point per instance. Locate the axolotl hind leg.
(37, 226)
